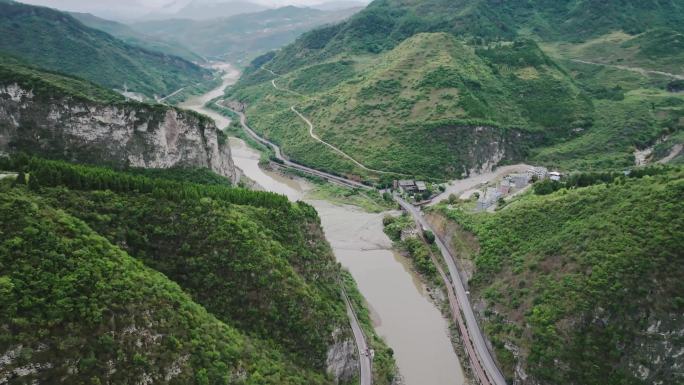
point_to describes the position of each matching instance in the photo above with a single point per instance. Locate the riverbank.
(400, 307)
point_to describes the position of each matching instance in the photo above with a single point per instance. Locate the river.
(400, 306)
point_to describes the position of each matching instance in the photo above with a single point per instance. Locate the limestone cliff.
(119, 134)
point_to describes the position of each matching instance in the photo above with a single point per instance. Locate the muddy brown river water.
(401, 308)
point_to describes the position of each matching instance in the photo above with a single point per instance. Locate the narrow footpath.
(287, 162)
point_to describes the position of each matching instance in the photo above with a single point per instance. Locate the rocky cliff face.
(342, 361)
(120, 135)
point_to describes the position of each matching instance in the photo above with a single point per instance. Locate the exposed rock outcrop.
(342, 361)
(119, 135)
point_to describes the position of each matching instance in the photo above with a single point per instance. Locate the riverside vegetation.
(406, 86)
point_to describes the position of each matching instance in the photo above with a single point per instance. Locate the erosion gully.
(401, 309)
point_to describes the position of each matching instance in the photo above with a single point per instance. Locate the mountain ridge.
(56, 41)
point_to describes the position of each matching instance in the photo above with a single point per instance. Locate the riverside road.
(482, 361)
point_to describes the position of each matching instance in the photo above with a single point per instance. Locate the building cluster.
(410, 186)
(513, 183)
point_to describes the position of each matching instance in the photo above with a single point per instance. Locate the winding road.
(287, 162)
(483, 363)
(481, 358)
(316, 137)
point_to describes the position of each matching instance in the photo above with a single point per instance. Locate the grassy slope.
(632, 110)
(577, 278)
(47, 83)
(52, 85)
(657, 50)
(412, 109)
(78, 308)
(58, 42)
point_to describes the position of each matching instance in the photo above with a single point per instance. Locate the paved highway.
(484, 366)
(287, 162)
(474, 334)
(365, 360)
(483, 363)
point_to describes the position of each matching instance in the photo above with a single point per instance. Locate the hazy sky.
(138, 8)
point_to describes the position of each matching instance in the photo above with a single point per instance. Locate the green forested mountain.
(386, 23)
(242, 37)
(583, 286)
(244, 275)
(442, 88)
(135, 38)
(56, 41)
(49, 83)
(411, 109)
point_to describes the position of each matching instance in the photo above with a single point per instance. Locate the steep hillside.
(67, 118)
(253, 260)
(386, 23)
(654, 50)
(240, 38)
(583, 286)
(384, 88)
(432, 106)
(56, 41)
(638, 105)
(134, 38)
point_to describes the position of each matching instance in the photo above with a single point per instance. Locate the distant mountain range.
(216, 9)
(59, 42)
(241, 37)
(337, 5)
(135, 38)
(208, 9)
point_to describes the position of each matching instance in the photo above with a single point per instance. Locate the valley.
(398, 192)
(401, 309)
